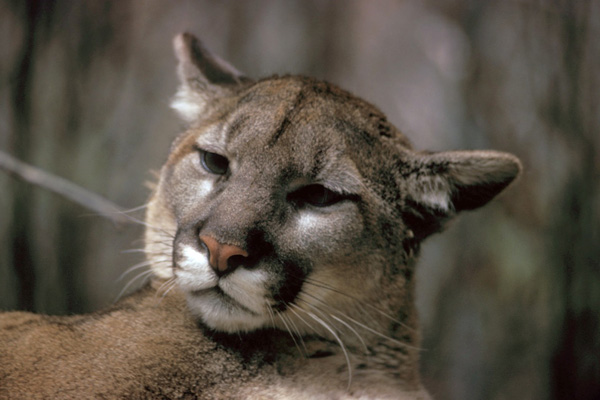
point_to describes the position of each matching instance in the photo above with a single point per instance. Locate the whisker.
(144, 275)
(347, 317)
(133, 268)
(169, 284)
(138, 208)
(321, 312)
(297, 331)
(149, 226)
(166, 283)
(143, 264)
(144, 223)
(300, 336)
(323, 285)
(167, 241)
(382, 335)
(330, 314)
(270, 310)
(281, 316)
(301, 319)
(173, 286)
(312, 328)
(337, 338)
(367, 351)
(125, 212)
(334, 310)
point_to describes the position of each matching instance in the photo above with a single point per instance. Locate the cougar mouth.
(218, 294)
(223, 312)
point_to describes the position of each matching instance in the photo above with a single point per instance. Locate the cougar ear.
(443, 184)
(203, 76)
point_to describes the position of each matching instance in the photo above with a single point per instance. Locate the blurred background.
(509, 296)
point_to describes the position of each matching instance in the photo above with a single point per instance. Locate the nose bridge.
(242, 207)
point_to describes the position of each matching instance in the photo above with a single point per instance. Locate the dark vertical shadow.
(35, 16)
(574, 251)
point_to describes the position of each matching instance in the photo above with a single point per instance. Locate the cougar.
(282, 234)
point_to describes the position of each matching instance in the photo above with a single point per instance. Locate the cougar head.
(288, 202)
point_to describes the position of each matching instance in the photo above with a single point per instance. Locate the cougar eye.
(315, 195)
(214, 163)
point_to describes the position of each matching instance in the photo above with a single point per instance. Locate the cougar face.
(290, 203)
(268, 208)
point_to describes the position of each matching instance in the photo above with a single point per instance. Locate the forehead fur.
(310, 101)
(312, 125)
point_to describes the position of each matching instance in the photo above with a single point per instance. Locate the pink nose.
(220, 255)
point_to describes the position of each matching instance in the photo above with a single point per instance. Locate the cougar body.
(283, 234)
(150, 347)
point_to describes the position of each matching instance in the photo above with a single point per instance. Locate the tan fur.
(148, 346)
(320, 300)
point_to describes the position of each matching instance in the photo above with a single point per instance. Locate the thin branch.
(63, 187)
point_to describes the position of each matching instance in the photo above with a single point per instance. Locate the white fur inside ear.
(188, 103)
(433, 191)
(437, 199)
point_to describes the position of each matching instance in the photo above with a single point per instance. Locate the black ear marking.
(197, 64)
(203, 76)
(478, 176)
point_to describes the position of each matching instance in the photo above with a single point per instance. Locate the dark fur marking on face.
(285, 123)
(356, 131)
(321, 354)
(286, 294)
(318, 162)
(383, 126)
(237, 125)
